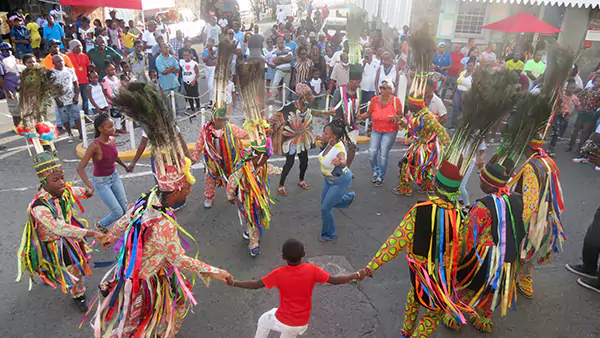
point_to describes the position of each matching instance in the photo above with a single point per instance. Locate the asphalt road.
(371, 308)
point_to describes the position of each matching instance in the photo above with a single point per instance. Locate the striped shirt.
(98, 96)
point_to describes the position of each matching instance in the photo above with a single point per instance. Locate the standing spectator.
(101, 54)
(474, 53)
(329, 61)
(36, 38)
(574, 74)
(325, 12)
(312, 39)
(292, 45)
(97, 27)
(283, 69)
(9, 82)
(534, 68)
(58, 14)
(133, 29)
(442, 59)
(489, 56)
(70, 34)
(322, 42)
(189, 76)
(463, 85)
(111, 85)
(589, 270)
(281, 16)
(316, 83)
(384, 110)
(364, 38)
(336, 39)
(161, 29)
(237, 34)
(377, 40)
(104, 35)
(41, 20)
(177, 42)
(455, 69)
(54, 48)
(387, 70)
(138, 62)
(82, 65)
(85, 28)
(340, 75)
(128, 40)
(434, 103)
(318, 61)
(90, 42)
(187, 43)
(53, 31)
(156, 51)
(95, 93)
(269, 53)
(148, 37)
(465, 50)
(168, 69)
(114, 34)
(588, 116)
(223, 23)
(67, 102)
(212, 31)
(370, 68)
(569, 102)
(209, 57)
(21, 38)
(302, 67)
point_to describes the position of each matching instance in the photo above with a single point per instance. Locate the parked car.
(330, 3)
(184, 20)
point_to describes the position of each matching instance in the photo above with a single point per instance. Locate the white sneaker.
(597, 168)
(580, 160)
(208, 203)
(70, 139)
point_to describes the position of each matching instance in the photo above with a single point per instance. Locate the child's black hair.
(152, 71)
(293, 250)
(27, 57)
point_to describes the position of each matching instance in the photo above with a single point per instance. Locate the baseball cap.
(53, 42)
(441, 43)
(5, 45)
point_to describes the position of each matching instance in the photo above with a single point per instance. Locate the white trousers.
(209, 73)
(268, 322)
(280, 75)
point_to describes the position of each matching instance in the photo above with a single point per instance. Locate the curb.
(128, 155)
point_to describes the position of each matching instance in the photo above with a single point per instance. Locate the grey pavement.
(370, 308)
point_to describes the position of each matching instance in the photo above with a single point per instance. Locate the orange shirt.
(48, 64)
(382, 116)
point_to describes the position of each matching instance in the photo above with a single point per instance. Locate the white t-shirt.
(364, 41)
(223, 22)
(150, 40)
(316, 85)
(281, 17)
(187, 70)
(485, 56)
(162, 30)
(336, 57)
(437, 106)
(213, 32)
(464, 83)
(65, 78)
(326, 166)
(368, 75)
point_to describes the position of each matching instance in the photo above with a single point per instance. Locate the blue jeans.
(84, 98)
(58, 120)
(379, 149)
(111, 191)
(457, 109)
(464, 194)
(334, 196)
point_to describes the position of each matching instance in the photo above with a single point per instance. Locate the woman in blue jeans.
(106, 180)
(384, 110)
(338, 177)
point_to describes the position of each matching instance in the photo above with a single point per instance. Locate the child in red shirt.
(295, 283)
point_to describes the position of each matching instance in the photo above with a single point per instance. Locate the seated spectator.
(515, 63)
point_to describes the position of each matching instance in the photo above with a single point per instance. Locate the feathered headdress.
(250, 87)
(534, 111)
(423, 48)
(37, 89)
(490, 98)
(223, 72)
(148, 106)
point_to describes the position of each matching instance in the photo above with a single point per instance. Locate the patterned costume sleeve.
(437, 129)
(56, 226)
(79, 192)
(118, 228)
(531, 192)
(478, 219)
(175, 253)
(199, 147)
(232, 184)
(398, 240)
(238, 132)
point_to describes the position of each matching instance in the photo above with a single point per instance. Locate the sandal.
(303, 185)
(101, 228)
(282, 192)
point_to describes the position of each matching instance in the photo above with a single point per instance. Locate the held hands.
(89, 193)
(224, 276)
(336, 162)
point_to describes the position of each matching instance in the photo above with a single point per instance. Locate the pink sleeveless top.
(106, 166)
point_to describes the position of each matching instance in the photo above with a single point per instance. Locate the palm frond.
(422, 43)
(250, 87)
(223, 70)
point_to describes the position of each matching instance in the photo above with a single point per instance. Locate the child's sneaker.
(597, 168)
(254, 252)
(580, 160)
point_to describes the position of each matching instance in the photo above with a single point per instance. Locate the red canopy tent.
(129, 4)
(522, 23)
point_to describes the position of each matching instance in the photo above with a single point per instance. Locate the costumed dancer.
(428, 138)
(292, 134)
(52, 246)
(432, 235)
(248, 186)
(145, 293)
(543, 203)
(219, 140)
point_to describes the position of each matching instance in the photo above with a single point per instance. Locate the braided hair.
(98, 122)
(338, 127)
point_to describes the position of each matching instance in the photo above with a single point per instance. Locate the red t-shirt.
(81, 62)
(382, 116)
(456, 67)
(295, 284)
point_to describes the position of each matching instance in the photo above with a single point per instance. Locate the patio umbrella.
(522, 23)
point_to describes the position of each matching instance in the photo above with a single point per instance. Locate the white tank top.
(384, 76)
(325, 160)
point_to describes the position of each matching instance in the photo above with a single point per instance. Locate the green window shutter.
(447, 19)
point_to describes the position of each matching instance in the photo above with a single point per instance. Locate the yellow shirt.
(128, 40)
(511, 65)
(36, 38)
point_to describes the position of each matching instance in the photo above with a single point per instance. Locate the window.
(470, 18)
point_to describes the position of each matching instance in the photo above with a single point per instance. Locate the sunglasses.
(384, 87)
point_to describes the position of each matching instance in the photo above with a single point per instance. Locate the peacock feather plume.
(37, 91)
(223, 71)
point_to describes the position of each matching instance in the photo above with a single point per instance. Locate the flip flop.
(282, 191)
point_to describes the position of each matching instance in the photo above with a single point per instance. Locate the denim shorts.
(69, 113)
